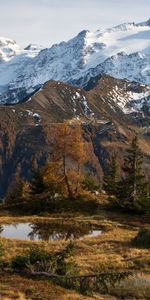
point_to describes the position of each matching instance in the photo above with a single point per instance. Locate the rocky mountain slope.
(108, 113)
(122, 52)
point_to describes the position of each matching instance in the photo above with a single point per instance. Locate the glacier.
(122, 52)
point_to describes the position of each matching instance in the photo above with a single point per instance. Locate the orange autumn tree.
(46, 181)
(68, 156)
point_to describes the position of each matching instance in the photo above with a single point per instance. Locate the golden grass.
(20, 296)
(38, 290)
(111, 251)
(136, 287)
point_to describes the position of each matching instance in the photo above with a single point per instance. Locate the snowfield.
(122, 52)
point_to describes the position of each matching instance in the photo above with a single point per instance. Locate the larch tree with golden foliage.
(69, 156)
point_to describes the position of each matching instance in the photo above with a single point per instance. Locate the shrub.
(143, 238)
(39, 260)
(19, 262)
(35, 256)
(89, 184)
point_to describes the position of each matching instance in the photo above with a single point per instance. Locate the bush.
(35, 256)
(20, 262)
(87, 203)
(39, 260)
(143, 238)
(89, 184)
(63, 266)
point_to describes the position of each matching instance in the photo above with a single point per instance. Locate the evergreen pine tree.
(37, 185)
(142, 204)
(111, 179)
(132, 190)
(15, 194)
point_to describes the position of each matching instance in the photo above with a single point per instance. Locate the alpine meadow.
(74, 151)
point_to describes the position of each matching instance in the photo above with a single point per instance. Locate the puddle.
(47, 231)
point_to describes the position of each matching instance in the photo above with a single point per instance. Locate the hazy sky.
(49, 21)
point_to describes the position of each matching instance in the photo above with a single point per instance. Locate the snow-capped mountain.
(131, 98)
(122, 52)
(8, 49)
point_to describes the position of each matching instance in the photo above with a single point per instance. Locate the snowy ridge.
(9, 49)
(131, 102)
(131, 98)
(122, 51)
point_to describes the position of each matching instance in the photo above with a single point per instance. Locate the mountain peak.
(34, 47)
(83, 33)
(8, 48)
(6, 41)
(122, 52)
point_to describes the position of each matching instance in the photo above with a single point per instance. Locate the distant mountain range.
(122, 52)
(99, 80)
(108, 114)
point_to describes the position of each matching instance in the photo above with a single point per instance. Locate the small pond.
(47, 231)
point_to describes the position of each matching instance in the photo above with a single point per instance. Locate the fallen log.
(50, 275)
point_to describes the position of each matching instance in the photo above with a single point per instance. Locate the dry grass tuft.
(12, 295)
(137, 287)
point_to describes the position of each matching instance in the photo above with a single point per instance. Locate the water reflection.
(47, 231)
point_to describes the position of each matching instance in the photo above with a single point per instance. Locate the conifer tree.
(142, 204)
(15, 195)
(37, 185)
(132, 191)
(111, 179)
(90, 184)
